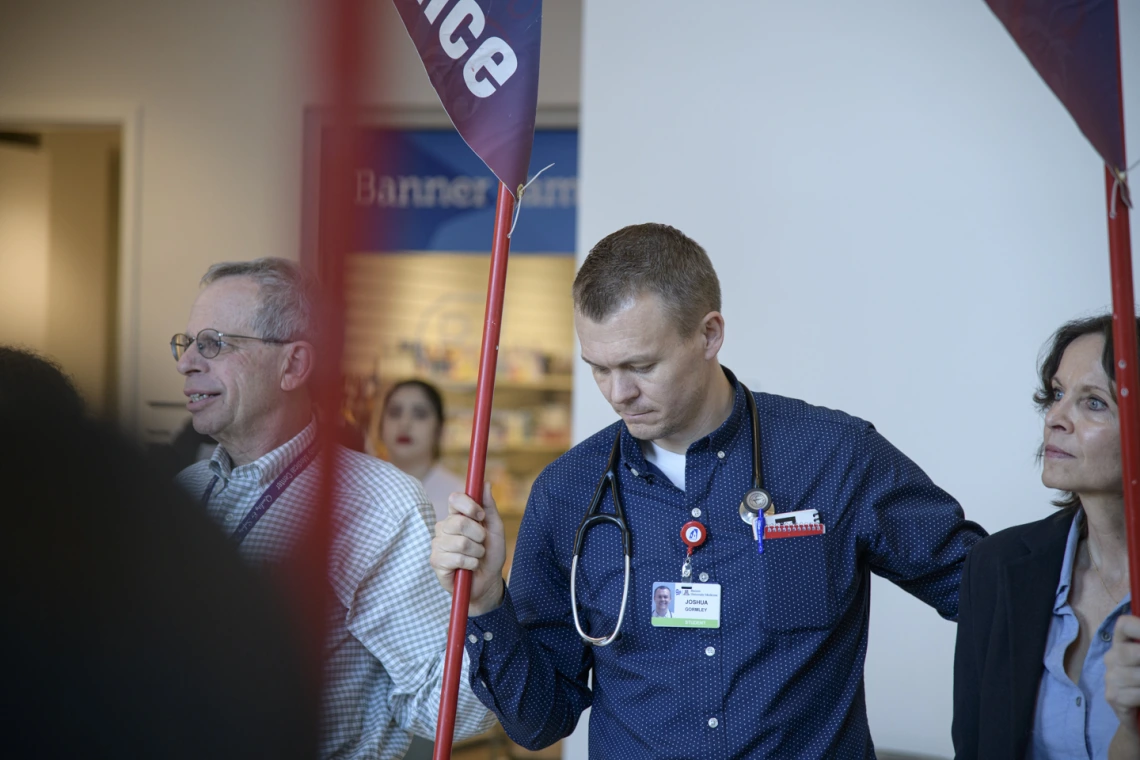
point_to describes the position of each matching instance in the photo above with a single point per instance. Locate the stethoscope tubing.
(593, 517)
(600, 641)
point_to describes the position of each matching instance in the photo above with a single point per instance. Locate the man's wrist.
(491, 600)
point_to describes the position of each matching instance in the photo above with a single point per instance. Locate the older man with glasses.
(248, 356)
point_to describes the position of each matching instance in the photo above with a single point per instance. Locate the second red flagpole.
(476, 463)
(1127, 377)
(1124, 344)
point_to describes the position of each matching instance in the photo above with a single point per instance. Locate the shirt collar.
(1066, 581)
(724, 437)
(1065, 584)
(264, 470)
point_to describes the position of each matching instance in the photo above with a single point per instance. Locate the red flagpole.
(476, 463)
(1124, 344)
(1124, 341)
(1127, 380)
(340, 46)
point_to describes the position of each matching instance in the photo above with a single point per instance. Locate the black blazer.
(1009, 585)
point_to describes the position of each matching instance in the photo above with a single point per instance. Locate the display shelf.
(556, 383)
(512, 509)
(535, 449)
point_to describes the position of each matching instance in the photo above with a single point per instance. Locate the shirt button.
(633, 471)
(710, 651)
(1105, 636)
(487, 635)
(719, 455)
(704, 577)
(472, 638)
(696, 511)
(1078, 701)
(713, 722)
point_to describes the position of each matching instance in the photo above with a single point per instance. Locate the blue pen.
(758, 533)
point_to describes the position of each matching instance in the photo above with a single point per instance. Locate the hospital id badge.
(686, 605)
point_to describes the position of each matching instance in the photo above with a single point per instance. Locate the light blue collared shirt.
(1074, 720)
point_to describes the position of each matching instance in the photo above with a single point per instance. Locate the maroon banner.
(1075, 47)
(482, 59)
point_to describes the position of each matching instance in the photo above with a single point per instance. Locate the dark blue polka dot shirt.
(783, 674)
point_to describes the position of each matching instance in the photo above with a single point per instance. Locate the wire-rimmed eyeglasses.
(209, 341)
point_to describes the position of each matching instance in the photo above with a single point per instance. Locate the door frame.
(127, 117)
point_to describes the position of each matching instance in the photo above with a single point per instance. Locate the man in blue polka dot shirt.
(763, 656)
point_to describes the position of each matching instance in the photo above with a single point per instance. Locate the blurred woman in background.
(411, 427)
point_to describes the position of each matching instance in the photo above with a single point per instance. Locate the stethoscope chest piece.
(756, 501)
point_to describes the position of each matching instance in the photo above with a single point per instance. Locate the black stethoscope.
(755, 502)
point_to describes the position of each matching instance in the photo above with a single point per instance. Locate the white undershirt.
(439, 484)
(670, 463)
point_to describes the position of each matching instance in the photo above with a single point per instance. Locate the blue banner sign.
(424, 190)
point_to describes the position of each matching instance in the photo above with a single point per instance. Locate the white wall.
(222, 87)
(900, 212)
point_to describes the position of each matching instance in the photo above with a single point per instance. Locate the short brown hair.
(648, 258)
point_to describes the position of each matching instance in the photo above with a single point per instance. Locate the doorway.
(60, 206)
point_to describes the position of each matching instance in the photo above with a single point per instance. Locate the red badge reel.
(693, 534)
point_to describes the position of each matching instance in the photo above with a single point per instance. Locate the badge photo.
(663, 600)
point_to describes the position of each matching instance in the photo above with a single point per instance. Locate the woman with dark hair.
(1039, 603)
(411, 427)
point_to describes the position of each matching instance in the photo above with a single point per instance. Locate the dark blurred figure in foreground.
(131, 628)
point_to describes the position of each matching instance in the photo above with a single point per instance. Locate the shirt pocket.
(796, 586)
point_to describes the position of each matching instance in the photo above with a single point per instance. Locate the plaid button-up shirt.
(384, 651)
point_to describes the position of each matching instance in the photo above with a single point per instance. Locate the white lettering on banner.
(494, 57)
(365, 187)
(431, 12)
(420, 192)
(484, 60)
(463, 10)
(411, 191)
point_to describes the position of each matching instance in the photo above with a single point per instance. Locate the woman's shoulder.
(1022, 539)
